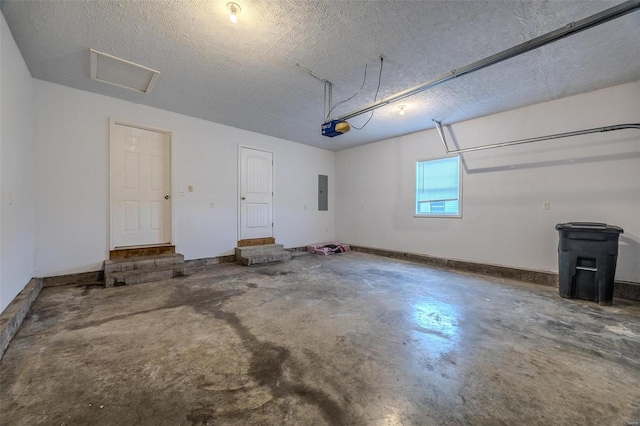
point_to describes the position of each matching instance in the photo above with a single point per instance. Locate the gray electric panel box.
(323, 193)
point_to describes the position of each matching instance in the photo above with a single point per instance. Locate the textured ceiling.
(245, 75)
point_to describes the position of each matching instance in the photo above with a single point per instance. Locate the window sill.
(451, 216)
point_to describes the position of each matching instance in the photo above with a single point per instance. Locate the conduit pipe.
(328, 91)
(536, 139)
(569, 29)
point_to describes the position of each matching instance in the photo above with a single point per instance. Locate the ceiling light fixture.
(234, 9)
(401, 109)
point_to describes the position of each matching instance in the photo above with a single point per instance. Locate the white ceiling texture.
(245, 74)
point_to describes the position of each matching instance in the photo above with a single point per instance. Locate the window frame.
(415, 188)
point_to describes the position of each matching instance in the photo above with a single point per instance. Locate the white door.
(256, 194)
(140, 166)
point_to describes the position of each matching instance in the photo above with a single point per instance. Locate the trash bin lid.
(589, 227)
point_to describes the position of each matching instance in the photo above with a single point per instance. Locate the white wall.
(16, 169)
(72, 181)
(587, 178)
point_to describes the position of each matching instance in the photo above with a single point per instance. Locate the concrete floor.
(350, 339)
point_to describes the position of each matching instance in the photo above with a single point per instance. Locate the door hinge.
(272, 224)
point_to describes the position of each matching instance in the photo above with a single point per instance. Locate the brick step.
(257, 255)
(144, 275)
(252, 250)
(265, 257)
(144, 262)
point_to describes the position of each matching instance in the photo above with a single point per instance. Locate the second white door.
(256, 194)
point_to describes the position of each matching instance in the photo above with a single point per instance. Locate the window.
(438, 187)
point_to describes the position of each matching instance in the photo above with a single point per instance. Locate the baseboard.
(537, 277)
(209, 261)
(296, 249)
(81, 278)
(626, 290)
(621, 289)
(15, 313)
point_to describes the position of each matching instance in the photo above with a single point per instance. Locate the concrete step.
(264, 257)
(143, 269)
(144, 275)
(251, 250)
(144, 262)
(256, 255)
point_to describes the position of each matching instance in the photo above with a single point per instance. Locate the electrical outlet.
(181, 193)
(546, 205)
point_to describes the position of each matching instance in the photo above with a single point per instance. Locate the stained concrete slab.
(350, 339)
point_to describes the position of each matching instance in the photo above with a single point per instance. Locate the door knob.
(242, 198)
(166, 197)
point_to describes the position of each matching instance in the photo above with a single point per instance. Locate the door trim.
(113, 122)
(239, 190)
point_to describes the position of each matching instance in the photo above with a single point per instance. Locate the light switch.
(190, 188)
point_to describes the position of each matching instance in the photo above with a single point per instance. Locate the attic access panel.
(122, 73)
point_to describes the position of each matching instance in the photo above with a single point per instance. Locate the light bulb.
(401, 108)
(234, 9)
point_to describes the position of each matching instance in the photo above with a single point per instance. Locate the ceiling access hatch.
(120, 72)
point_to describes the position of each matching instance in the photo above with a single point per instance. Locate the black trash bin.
(587, 254)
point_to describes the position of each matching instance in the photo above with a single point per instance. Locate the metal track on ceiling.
(569, 29)
(536, 139)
